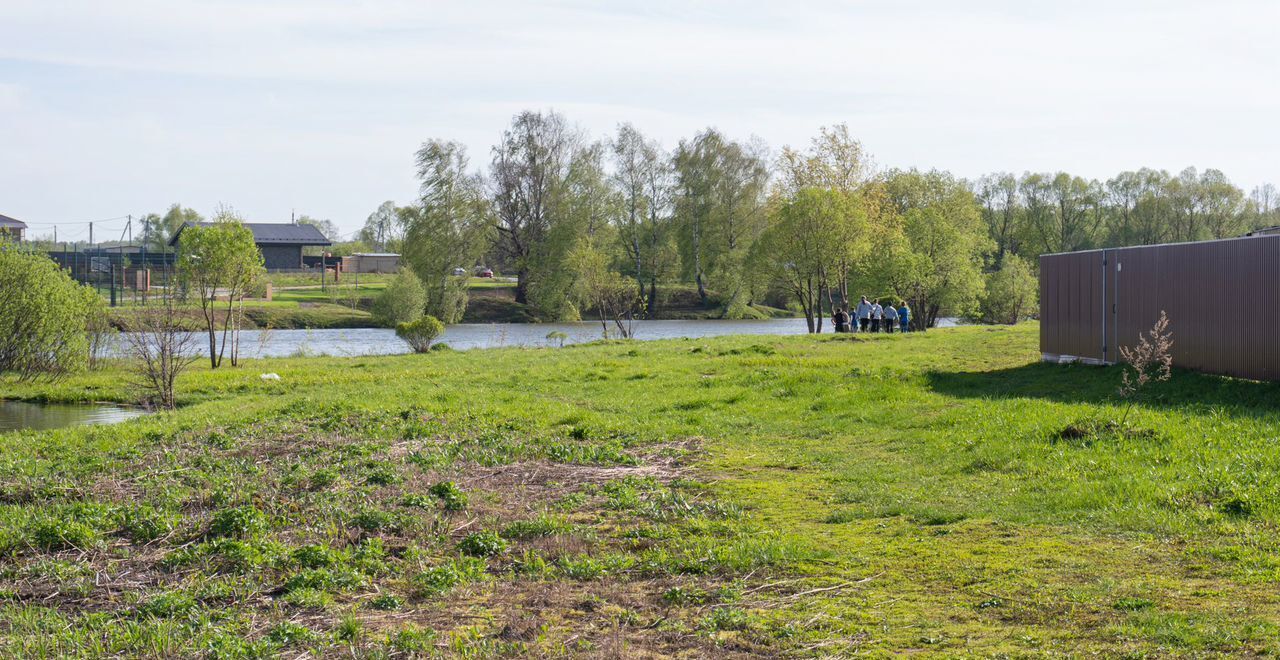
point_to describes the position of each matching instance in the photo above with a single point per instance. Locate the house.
(280, 244)
(12, 229)
(371, 262)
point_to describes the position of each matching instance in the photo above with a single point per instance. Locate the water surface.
(466, 336)
(15, 415)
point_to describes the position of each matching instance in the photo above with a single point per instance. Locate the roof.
(1251, 236)
(1265, 231)
(265, 233)
(11, 223)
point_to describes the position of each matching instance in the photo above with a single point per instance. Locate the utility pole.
(90, 233)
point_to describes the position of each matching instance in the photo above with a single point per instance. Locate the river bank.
(941, 492)
(310, 307)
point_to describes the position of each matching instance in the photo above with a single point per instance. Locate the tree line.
(606, 228)
(603, 227)
(1039, 213)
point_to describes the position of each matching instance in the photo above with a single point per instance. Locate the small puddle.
(18, 415)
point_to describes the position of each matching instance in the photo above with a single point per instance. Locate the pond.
(15, 415)
(466, 336)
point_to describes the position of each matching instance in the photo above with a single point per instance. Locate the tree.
(219, 261)
(641, 177)
(1011, 293)
(158, 230)
(834, 161)
(1002, 211)
(448, 228)
(600, 288)
(403, 301)
(530, 170)
(382, 228)
(944, 238)
(162, 347)
(720, 187)
(326, 227)
(44, 316)
(811, 232)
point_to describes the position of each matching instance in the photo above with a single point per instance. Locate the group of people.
(871, 316)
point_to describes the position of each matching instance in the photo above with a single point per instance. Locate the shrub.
(403, 301)
(420, 333)
(44, 315)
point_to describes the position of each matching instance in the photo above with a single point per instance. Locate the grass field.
(941, 493)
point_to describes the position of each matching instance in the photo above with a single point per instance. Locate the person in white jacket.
(864, 314)
(890, 320)
(877, 312)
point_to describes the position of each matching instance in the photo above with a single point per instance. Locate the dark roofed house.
(12, 228)
(281, 244)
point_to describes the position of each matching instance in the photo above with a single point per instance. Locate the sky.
(316, 107)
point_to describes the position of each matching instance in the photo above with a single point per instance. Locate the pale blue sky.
(111, 108)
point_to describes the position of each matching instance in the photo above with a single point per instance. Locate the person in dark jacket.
(841, 320)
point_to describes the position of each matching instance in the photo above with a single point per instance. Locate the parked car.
(487, 272)
(460, 272)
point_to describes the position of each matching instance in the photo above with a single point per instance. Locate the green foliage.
(439, 580)
(482, 544)
(420, 333)
(403, 301)
(934, 260)
(1011, 293)
(818, 240)
(449, 494)
(44, 316)
(719, 202)
(238, 522)
(449, 228)
(218, 260)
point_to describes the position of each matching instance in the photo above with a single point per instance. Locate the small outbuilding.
(1222, 299)
(371, 262)
(280, 244)
(12, 228)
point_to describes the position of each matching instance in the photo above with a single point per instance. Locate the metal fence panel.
(1222, 299)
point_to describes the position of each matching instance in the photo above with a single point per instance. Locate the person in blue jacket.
(904, 315)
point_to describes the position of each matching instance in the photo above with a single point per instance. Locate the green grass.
(819, 496)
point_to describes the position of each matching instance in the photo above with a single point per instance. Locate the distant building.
(280, 244)
(13, 229)
(371, 262)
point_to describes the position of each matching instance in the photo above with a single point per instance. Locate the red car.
(487, 272)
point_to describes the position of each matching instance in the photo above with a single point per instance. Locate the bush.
(419, 334)
(403, 301)
(44, 315)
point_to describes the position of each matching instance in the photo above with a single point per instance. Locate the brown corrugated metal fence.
(1222, 299)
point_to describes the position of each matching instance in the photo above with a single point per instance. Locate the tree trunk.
(653, 298)
(522, 286)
